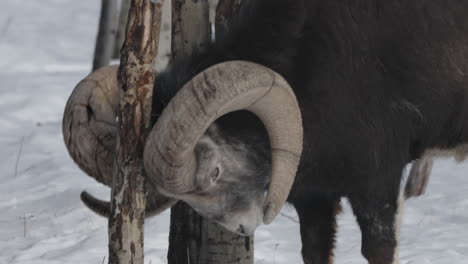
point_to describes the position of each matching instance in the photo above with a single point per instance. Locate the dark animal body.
(378, 83)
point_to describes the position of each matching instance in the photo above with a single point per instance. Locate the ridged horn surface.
(230, 86)
(89, 123)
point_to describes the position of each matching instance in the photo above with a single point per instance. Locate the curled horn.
(89, 123)
(230, 86)
(90, 132)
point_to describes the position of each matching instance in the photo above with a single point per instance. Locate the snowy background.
(46, 47)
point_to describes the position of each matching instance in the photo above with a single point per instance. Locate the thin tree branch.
(18, 156)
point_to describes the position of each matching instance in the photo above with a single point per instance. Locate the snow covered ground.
(45, 48)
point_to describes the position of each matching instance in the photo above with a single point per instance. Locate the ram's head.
(233, 176)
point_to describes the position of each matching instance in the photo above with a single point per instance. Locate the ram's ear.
(213, 129)
(155, 204)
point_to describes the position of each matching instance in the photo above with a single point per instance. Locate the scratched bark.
(192, 239)
(136, 76)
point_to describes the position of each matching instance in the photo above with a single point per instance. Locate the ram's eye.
(215, 174)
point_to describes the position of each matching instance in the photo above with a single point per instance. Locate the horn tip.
(84, 195)
(269, 213)
(99, 207)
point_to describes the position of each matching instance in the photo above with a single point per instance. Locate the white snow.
(46, 47)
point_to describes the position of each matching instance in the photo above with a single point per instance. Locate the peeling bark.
(136, 77)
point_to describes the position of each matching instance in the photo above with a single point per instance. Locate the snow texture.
(46, 47)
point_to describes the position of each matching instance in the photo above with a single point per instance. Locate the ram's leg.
(378, 216)
(318, 227)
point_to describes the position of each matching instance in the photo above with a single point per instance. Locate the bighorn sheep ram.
(340, 96)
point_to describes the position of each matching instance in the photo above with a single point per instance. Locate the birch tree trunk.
(136, 77)
(105, 40)
(194, 240)
(191, 30)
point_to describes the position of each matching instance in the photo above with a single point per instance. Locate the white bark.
(191, 30)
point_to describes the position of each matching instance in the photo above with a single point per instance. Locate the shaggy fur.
(378, 83)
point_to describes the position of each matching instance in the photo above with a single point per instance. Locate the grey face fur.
(231, 178)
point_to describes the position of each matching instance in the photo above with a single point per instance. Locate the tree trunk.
(136, 77)
(105, 40)
(164, 36)
(122, 23)
(193, 240)
(190, 26)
